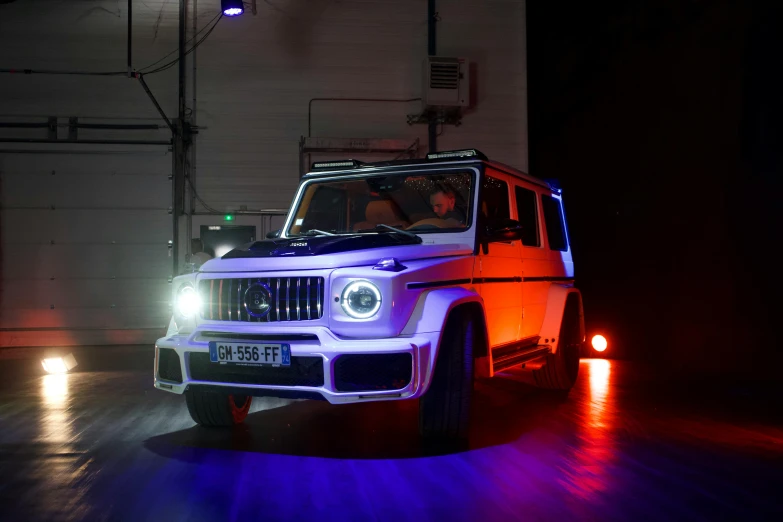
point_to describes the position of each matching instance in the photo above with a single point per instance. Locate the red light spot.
(599, 343)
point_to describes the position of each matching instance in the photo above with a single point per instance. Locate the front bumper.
(312, 345)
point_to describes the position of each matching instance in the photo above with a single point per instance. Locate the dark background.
(663, 122)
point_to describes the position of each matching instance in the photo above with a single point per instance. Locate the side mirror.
(505, 230)
(273, 234)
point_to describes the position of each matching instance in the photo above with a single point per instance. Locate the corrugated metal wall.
(84, 252)
(254, 78)
(84, 229)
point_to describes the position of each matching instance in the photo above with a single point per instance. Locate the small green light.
(229, 217)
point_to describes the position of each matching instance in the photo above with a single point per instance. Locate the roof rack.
(439, 156)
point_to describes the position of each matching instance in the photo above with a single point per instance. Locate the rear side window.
(555, 228)
(528, 215)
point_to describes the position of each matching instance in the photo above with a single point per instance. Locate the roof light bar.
(323, 165)
(457, 154)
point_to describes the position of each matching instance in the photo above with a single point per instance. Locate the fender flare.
(438, 304)
(557, 299)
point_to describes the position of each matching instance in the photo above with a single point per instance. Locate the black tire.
(212, 408)
(444, 410)
(562, 368)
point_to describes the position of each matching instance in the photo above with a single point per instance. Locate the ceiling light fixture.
(232, 7)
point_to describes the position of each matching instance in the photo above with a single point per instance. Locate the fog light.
(59, 364)
(599, 343)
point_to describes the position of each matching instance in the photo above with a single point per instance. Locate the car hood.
(307, 253)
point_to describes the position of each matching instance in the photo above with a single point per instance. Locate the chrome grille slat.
(220, 300)
(268, 317)
(239, 299)
(298, 307)
(277, 299)
(308, 298)
(249, 284)
(319, 297)
(211, 297)
(259, 319)
(228, 298)
(288, 299)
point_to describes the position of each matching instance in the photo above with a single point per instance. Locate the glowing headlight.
(188, 301)
(361, 299)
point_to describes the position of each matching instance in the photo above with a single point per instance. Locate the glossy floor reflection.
(626, 444)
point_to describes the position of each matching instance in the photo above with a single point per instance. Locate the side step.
(523, 354)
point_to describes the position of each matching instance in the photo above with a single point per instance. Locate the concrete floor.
(627, 444)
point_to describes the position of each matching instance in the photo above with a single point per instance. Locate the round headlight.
(188, 301)
(361, 299)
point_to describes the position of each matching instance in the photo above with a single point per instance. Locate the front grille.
(304, 371)
(291, 299)
(372, 372)
(169, 368)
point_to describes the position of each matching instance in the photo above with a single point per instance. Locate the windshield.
(437, 202)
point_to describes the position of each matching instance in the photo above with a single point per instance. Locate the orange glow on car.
(599, 343)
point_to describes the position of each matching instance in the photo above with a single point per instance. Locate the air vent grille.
(444, 75)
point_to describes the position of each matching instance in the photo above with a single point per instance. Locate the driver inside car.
(443, 202)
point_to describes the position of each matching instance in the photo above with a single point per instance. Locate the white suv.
(389, 281)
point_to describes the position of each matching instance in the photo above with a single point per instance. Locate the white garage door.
(85, 248)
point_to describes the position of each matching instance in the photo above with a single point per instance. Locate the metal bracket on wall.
(442, 116)
(52, 129)
(73, 129)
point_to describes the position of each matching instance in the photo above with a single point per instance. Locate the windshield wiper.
(315, 231)
(398, 231)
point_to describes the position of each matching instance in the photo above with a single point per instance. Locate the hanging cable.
(142, 70)
(406, 151)
(214, 21)
(195, 193)
(199, 42)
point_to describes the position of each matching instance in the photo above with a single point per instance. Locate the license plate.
(250, 354)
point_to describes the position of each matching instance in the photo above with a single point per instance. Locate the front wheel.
(444, 410)
(213, 408)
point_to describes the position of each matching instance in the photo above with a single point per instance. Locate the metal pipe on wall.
(432, 47)
(130, 38)
(264, 212)
(86, 142)
(190, 186)
(179, 143)
(104, 126)
(384, 100)
(154, 101)
(49, 71)
(181, 90)
(71, 151)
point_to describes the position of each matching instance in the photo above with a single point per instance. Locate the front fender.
(430, 315)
